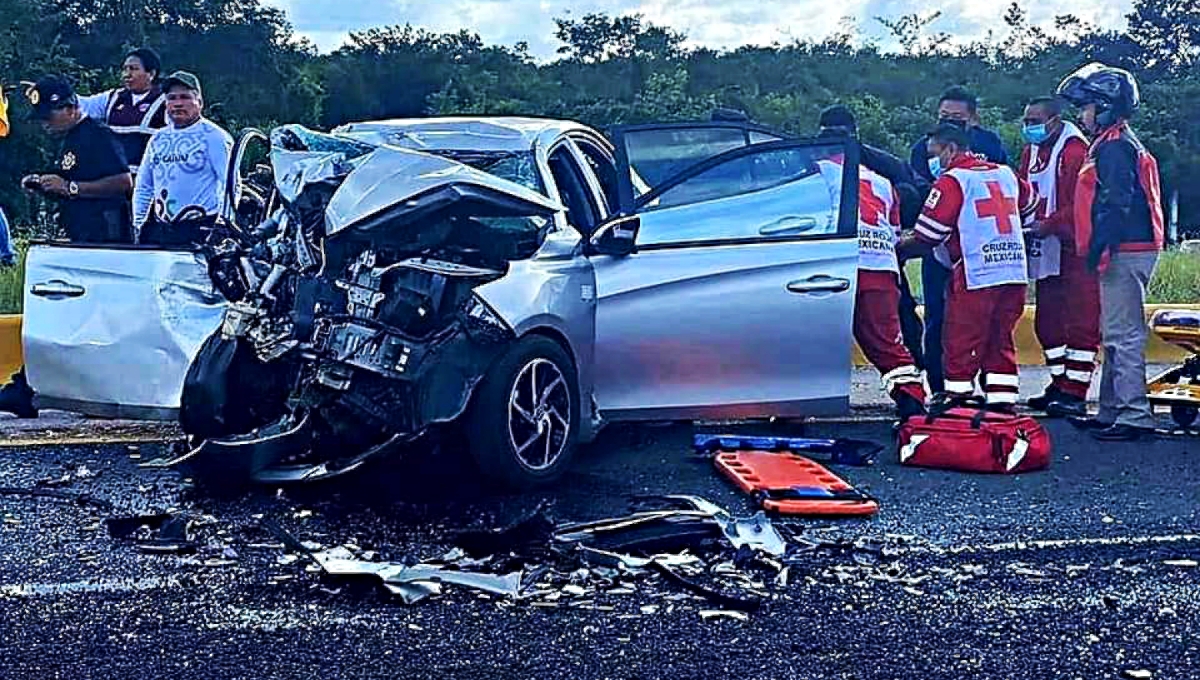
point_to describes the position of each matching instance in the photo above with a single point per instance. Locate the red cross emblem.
(871, 208)
(998, 207)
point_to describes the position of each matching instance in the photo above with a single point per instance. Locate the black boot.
(1066, 406)
(1042, 403)
(17, 397)
(907, 405)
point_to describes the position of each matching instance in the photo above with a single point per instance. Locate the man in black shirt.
(91, 180)
(92, 184)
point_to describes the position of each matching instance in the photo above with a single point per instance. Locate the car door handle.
(792, 224)
(819, 284)
(57, 289)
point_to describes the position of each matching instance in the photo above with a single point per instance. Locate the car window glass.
(776, 193)
(573, 192)
(657, 155)
(604, 170)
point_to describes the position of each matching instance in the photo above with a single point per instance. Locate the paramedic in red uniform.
(1067, 321)
(1119, 229)
(877, 300)
(973, 218)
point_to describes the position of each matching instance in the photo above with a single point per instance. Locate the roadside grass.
(12, 284)
(1176, 281)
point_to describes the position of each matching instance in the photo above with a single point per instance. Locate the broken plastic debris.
(413, 592)
(707, 614)
(531, 530)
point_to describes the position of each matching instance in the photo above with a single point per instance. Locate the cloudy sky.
(712, 23)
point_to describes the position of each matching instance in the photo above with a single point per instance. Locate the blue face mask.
(1035, 134)
(935, 167)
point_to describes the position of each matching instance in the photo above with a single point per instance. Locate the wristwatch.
(73, 189)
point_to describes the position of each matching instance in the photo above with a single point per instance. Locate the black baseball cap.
(188, 80)
(50, 94)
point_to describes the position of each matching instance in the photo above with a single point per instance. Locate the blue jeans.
(934, 279)
(7, 254)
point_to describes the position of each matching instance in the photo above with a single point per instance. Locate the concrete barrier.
(1029, 350)
(10, 345)
(1157, 351)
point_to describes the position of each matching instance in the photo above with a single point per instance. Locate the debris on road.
(707, 614)
(531, 531)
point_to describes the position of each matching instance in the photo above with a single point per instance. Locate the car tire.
(516, 438)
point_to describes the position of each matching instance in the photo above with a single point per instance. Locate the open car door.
(110, 331)
(738, 295)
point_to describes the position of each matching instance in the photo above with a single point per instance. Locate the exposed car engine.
(343, 338)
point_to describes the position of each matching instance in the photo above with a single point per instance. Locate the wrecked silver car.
(511, 284)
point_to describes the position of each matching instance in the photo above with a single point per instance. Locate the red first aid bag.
(975, 440)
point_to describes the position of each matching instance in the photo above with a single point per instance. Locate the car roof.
(466, 133)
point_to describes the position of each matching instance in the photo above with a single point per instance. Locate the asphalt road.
(1084, 571)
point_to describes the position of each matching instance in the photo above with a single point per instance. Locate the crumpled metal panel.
(110, 331)
(387, 177)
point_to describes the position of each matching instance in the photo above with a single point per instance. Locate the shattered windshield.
(519, 167)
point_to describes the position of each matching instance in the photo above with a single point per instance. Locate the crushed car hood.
(378, 184)
(391, 184)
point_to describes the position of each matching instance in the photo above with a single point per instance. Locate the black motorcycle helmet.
(1114, 91)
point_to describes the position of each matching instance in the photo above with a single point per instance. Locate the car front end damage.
(353, 327)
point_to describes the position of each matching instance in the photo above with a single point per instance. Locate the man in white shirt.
(184, 170)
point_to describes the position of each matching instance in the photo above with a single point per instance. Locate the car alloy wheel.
(539, 414)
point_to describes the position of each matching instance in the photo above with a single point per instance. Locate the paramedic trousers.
(978, 339)
(934, 279)
(911, 325)
(877, 331)
(1123, 323)
(1067, 323)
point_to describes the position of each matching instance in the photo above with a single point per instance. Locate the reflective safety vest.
(1045, 253)
(1085, 198)
(989, 227)
(877, 223)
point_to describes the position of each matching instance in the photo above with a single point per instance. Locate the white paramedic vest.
(989, 227)
(876, 233)
(1045, 254)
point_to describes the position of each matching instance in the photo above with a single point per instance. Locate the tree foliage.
(610, 69)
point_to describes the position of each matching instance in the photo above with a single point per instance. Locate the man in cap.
(91, 184)
(184, 171)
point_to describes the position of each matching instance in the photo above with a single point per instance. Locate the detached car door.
(739, 297)
(111, 330)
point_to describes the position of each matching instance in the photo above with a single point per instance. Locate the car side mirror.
(617, 238)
